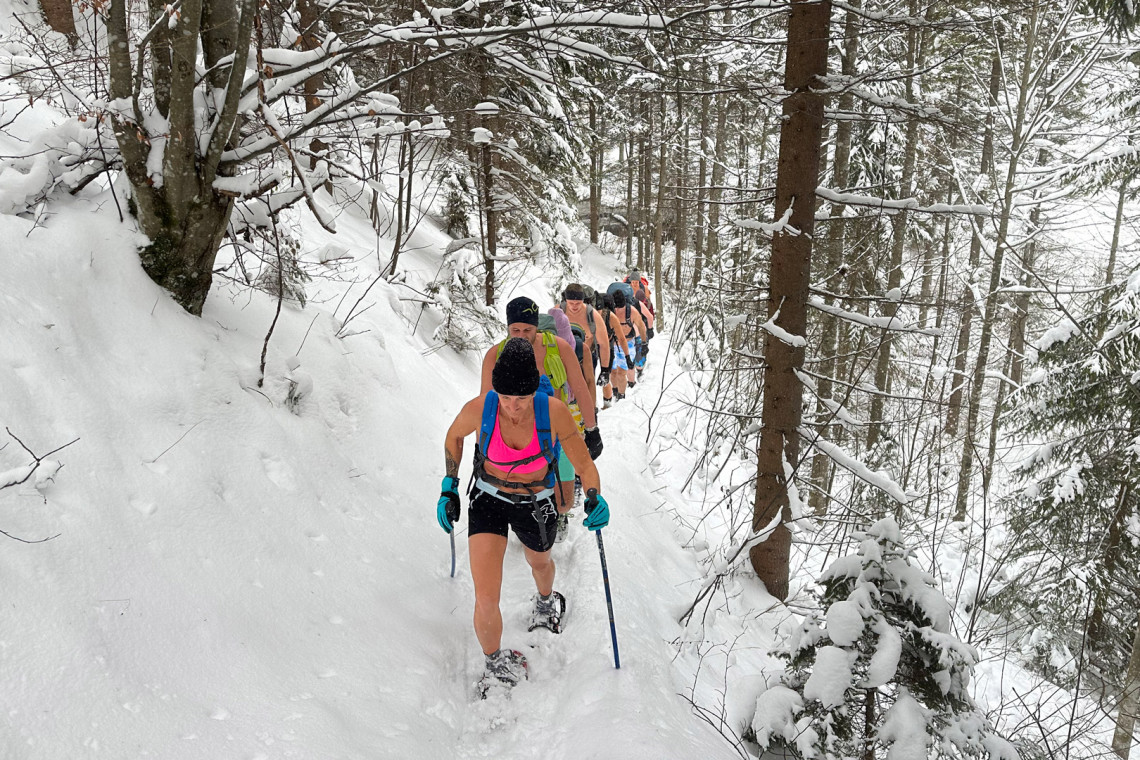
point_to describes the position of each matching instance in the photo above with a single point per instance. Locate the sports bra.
(505, 458)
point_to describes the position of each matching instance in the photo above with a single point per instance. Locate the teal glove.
(447, 508)
(597, 511)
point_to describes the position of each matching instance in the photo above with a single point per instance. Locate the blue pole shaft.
(609, 599)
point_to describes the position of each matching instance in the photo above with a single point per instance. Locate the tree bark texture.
(58, 15)
(835, 244)
(183, 216)
(890, 307)
(1128, 709)
(789, 277)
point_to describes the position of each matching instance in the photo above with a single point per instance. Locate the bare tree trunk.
(890, 306)
(702, 191)
(58, 15)
(1128, 708)
(1110, 270)
(184, 218)
(310, 39)
(645, 150)
(965, 470)
(595, 175)
(682, 221)
(836, 244)
(630, 216)
(658, 231)
(716, 192)
(490, 212)
(966, 303)
(790, 274)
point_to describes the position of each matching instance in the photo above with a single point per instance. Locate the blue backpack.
(550, 450)
(624, 287)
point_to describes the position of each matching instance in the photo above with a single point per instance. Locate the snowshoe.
(505, 669)
(549, 614)
(607, 403)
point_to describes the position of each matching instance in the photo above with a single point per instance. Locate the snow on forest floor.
(231, 580)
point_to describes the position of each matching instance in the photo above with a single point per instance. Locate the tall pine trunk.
(835, 243)
(890, 306)
(797, 175)
(966, 302)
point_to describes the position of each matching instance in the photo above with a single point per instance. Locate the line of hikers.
(536, 415)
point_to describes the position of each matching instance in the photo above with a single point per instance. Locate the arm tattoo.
(451, 465)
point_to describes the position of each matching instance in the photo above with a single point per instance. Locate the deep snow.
(231, 580)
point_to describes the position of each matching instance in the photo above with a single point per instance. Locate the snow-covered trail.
(235, 581)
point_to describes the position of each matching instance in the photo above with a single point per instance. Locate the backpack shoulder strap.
(551, 449)
(487, 426)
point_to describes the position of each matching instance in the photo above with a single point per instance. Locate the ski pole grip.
(591, 500)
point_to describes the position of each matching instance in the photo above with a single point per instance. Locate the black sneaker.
(548, 612)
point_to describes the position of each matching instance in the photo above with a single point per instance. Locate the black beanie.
(515, 373)
(575, 292)
(522, 309)
(619, 299)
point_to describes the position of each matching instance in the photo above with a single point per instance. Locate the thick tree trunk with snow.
(796, 179)
(184, 217)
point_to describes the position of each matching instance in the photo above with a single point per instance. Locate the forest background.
(895, 243)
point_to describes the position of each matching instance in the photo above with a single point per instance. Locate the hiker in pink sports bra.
(499, 451)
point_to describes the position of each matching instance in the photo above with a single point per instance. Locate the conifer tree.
(877, 668)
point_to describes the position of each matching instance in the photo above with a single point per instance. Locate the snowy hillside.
(231, 580)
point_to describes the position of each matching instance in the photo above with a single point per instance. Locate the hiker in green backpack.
(520, 429)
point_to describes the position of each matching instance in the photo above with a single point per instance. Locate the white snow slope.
(231, 580)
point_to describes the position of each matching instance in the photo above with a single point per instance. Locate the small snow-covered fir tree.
(876, 672)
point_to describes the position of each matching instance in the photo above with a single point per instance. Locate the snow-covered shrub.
(458, 293)
(877, 669)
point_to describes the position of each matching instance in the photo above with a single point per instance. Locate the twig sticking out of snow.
(22, 474)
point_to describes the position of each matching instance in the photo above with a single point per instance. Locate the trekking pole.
(452, 535)
(609, 599)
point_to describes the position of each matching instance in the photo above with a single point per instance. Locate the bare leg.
(487, 551)
(619, 380)
(542, 568)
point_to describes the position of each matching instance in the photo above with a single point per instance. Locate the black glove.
(604, 378)
(642, 351)
(630, 362)
(594, 442)
(650, 333)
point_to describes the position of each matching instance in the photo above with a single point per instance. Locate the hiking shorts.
(619, 357)
(491, 514)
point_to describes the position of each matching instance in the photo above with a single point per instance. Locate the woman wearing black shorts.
(513, 489)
